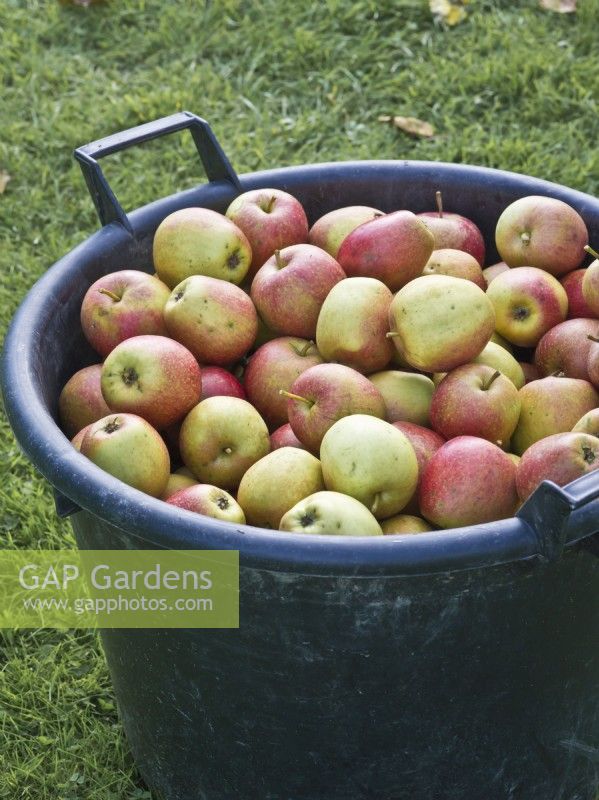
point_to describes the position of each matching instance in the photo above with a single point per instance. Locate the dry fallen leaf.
(561, 6)
(4, 179)
(450, 13)
(411, 125)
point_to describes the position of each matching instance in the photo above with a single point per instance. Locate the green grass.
(281, 83)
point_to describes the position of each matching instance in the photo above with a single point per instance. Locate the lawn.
(281, 83)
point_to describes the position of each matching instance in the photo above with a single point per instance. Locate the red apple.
(490, 273)
(78, 437)
(284, 437)
(128, 447)
(218, 381)
(590, 284)
(392, 248)
(121, 305)
(152, 376)
(214, 319)
(290, 288)
(566, 347)
(275, 366)
(425, 443)
(175, 483)
(202, 498)
(560, 458)
(271, 219)
(455, 231)
(329, 231)
(323, 394)
(541, 232)
(527, 302)
(476, 400)
(531, 372)
(80, 401)
(466, 482)
(577, 305)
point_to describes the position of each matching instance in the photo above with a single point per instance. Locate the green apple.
(588, 423)
(407, 395)
(371, 460)
(439, 322)
(330, 514)
(329, 231)
(457, 263)
(277, 482)
(175, 483)
(405, 523)
(128, 447)
(221, 438)
(496, 356)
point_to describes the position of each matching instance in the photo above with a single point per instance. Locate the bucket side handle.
(215, 162)
(549, 510)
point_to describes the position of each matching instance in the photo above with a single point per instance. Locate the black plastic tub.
(460, 664)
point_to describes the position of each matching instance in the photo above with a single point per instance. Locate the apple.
(531, 371)
(439, 322)
(276, 482)
(325, 393)
(551, 405)
(152, 376)
(495, 337)
(219, 381)
(588, 423)
(590, 284)
(78, 437)
(271, 219)
(130, 449)
(497, 357)
(221, 438)
(405, 523)
(577, 305)
(371, 460)
(527, 302)
(214, 319)
(455, 231)
(290, 288)
(425, 443)
(273, 367)
(593, 360)
(490, 273)
(541, 232)
(121, 305)
(352, 324)
(81, 402)
(202, 498)
(284, 437)
(560, 458)
(466, 482)
(566, 347)
(392, 248)
(175, 483)
(329, 231)
(457, 263)
(476, 400)
(330, 514)
(407, 395)
(199, 241)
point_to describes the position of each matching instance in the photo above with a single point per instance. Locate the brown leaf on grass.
(411, 125)
(4, 179)
(561, 6)
(450, 13)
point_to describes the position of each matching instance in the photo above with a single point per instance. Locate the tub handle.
(215, 162)
(549, 510)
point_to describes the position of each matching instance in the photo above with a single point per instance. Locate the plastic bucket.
(456, 664)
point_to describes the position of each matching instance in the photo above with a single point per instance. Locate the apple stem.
(439, 199)
(304, 351)
(592, 338)
(558, 374)
(375, 504)
(297, 397)
(590, 251)
(270, 204)
(493, 377)
(228, 450)
(110, 294)
(278, 260)
(392, 334)
(525, 236)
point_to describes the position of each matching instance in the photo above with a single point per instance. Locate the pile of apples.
(366, 375)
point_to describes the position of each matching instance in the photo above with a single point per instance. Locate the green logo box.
(119, 589)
